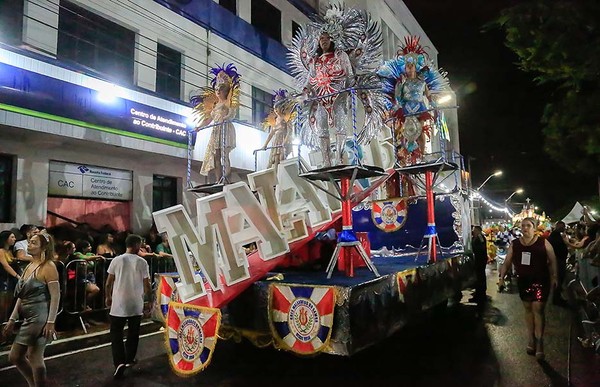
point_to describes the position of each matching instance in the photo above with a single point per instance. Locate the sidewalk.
(567, 362)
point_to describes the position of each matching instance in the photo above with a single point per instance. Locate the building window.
(295, 28)
(168, 72)
(6, 189)
(164, 192)
(262, 103)
(11, 21)
(266, 18)
(230, 5)
(390, 42)
(95, 42)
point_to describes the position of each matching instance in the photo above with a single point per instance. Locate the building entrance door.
(96, 213)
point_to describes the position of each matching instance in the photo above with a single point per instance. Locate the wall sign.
(89, 181)
(29, 90)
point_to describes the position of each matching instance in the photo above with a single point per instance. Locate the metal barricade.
(79, 273)
(74, 277)
(159, 265)
(60, 268)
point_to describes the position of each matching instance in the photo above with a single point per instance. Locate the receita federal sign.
(89, 181)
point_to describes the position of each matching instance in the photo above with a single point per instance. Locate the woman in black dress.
(535, 264)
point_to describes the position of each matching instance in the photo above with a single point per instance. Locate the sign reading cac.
(88, 181)
(66, 183)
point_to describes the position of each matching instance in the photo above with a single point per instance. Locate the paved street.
(454, 348)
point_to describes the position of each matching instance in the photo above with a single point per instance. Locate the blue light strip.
(39, 93)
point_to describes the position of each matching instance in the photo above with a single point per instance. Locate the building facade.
(94, 98)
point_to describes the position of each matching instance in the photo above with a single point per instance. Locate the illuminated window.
(11, 21)
(168, 72)
(164, 192)
(6, 189)
(261, 105)
(266, 18)
(95, 42)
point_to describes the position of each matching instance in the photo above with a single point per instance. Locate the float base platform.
(367, 308)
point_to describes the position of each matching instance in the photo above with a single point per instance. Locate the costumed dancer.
(328, 56)
(279, 125)
(217, 105)
(409, 80)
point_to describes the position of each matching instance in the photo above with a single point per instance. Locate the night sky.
(500, 107)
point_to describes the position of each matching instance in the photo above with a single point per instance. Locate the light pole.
(518, 191)
(478, 217)
(497, 173)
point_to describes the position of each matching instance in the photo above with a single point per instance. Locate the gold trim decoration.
(301, 317)
(191, 337)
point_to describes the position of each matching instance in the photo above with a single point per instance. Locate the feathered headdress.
(224, 74)
(333, 24)
(286, 106)
(411, 51)
(279, 96)
(205, 99)
(344, 26)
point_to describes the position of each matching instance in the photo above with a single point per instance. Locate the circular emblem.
(412, 128)
(304, 320)
(389, 214)
(191, 339)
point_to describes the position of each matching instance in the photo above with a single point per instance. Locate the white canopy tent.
(576, 214)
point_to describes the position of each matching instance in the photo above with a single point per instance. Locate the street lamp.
(477, 208)
(518, 191)
(497, 173)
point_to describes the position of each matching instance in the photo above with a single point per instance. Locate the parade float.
(353, 237)
(528, 211)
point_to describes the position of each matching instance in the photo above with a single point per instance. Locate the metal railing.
(75, 280)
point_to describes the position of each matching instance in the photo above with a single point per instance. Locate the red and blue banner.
(389, 215)
(406, 279)
(165, 293)
(191, 336)
(301, 317)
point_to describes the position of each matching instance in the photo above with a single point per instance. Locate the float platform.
(304, 312)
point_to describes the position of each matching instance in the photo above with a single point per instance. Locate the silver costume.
(351, 64)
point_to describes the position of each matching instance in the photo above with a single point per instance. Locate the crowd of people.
(544, 262)
(81, 256)
(37, 291)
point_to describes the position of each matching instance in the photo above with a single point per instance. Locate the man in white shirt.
(27, 230)
(127, 283)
